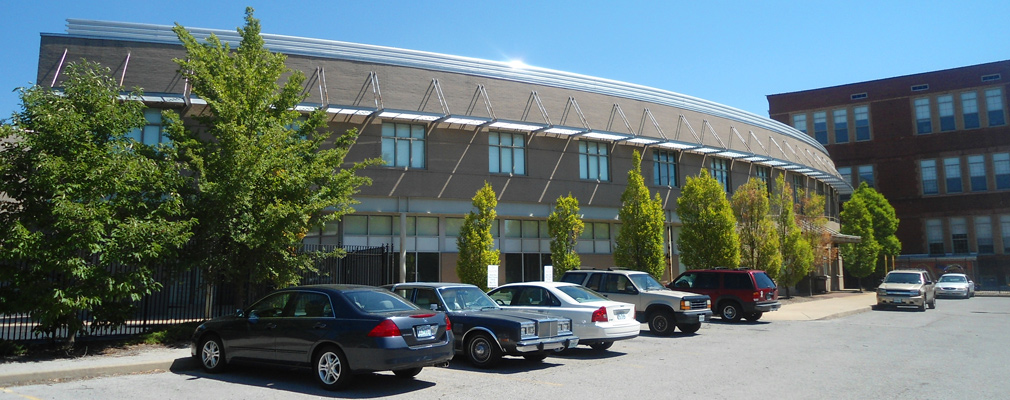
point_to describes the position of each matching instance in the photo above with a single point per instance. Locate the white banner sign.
(492, 276)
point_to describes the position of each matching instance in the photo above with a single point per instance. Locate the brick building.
(937, 145)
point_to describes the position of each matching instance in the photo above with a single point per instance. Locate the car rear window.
(573, 277)
(737, 281)
(581, 294)
(371, 301)
(764, 281)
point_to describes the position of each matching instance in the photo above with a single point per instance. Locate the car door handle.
(319, 325)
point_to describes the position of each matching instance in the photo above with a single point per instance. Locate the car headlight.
(528, 330)
(881, 291)
(565, 326)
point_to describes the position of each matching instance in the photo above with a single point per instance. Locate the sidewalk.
(817, 307)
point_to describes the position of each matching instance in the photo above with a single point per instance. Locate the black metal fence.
(186, 296)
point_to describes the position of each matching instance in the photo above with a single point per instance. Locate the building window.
(841, 119)
(946, 105)
(866, 175)
(983, 235)
(994, 106)
(664, 168)
(151, 133)
(594, 161)
(797, 187)
(403, 145)
(959, 235)
(506, 153)
(969, 110)
(952, 174)
(800, 122)
(1001, 168)
(976, 173)
(821, 127)
(929, 185)
(923, 121)
(1004, 228)
(595, 238)
(846, 173)
(862, 114)
(765, 175)
(720, 171)
(934, 236)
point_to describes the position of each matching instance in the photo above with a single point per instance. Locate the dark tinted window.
(737, 281)
(594, 282)
(506, 296)
(271, 306)
(574, 277)
(426, 298)
(371, 301)
(686, 280)
(614, 283)
(707, 280)
(313, 305)
(764, 281)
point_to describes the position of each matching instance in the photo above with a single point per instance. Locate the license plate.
(623, 315)
(701, 318)
(424, 331)
(897, 301)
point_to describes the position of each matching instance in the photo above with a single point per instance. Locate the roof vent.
(990, 77)
(919, 88)
(858, 96)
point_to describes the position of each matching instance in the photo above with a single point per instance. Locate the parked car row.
(340, 330)
(917, 288)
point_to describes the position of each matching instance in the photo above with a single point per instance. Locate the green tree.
(475, 242)
(797, 255)
(885, 220)
(261, 176)
(708, 238)
(640, 240)
(813, 225)
(565, 227)
(759, 243)
(860, 258)
(91, 212)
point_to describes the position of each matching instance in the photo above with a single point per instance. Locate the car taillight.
(385, 329)
(757, 296)
(600, 315)
(448, 325)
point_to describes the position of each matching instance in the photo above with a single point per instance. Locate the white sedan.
(596, 320)
(955, 285)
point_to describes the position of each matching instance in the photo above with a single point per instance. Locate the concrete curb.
(59, 375)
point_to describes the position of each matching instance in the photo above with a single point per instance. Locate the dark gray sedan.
(336, 330)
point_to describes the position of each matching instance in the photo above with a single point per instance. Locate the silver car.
(907, 288)
(955, 285)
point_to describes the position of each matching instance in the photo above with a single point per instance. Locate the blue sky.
(730, 52)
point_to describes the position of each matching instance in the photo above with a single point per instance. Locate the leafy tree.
(860, 258)
(797, 255)
(261, 177)
(813, 225)
(91, 211)
(885, 220)
(640, 240)
(708, 237)
(759, 243)
(475, 243)
(565, 227)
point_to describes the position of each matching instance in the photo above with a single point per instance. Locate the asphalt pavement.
(156, 359)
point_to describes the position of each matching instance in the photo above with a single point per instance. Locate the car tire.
(754, 316)
(407, 373)
(331, 369)
(730, 311)
(689, 328)
(924, 305)
(482, 351)
(661, 323)
(932, 304)
(211, 354)
(538, 357)
(601, 346)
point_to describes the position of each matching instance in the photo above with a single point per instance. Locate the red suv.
(735, 293)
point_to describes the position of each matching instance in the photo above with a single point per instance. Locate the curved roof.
(478, 67)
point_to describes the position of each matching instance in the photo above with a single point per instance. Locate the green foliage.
(640, 240)
(475, 243)
(797, 253)
(168, 334)
(93, 211)
(759, 243)
(565, 227)
(859, 258)
(11, 349)
(708, 238)
(261, 178)
(813, 225)
(885, 220)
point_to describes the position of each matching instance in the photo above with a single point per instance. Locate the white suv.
(662, 308)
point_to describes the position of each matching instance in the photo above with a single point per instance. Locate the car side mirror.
(253, 317)
(240, 313)
(630, 290)
(433, 307)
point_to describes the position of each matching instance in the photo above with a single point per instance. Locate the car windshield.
(953, 278)
(646, 282)
(581, 294)
(371, 301)
(466, 298)
(902, 278)
(764, 281)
